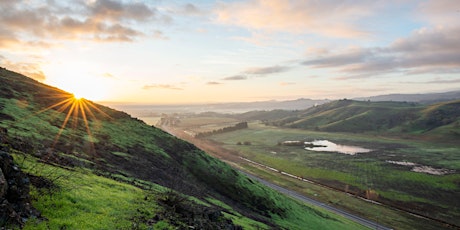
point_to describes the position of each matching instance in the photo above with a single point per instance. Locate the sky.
(175, 52)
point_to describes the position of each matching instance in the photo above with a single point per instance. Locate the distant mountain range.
(147, 110)
(426, 98)
(232, 107)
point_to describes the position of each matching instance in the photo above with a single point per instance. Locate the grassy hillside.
(94, 167)
(438, 120)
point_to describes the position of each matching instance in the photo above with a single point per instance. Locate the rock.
(15, 200)
(3, 184)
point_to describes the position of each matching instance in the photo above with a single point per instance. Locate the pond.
(328, 146)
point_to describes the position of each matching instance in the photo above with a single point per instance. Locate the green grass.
(433, 193)
(121, 154)
(83, 200)
(202, 121)
(238, 219)
(380, 214)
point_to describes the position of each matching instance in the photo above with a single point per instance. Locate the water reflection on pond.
(328, 146)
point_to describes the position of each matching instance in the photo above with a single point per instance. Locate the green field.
(205, 124)
(374, 175)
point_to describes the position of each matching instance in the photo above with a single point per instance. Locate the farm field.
(420, 177)
(193, 125)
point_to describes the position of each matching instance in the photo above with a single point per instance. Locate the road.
(365, 222)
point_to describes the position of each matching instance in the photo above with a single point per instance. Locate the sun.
(77, 96)
(90, 90)
(81, 85)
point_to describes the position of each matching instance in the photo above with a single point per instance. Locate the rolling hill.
(91, 167)
(440, 120)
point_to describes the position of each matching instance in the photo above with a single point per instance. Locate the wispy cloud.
(190, 9)
(437, 80)
(286, 83)
(213, 83)
(161, 86)
(29, 69)
(444, 81)
(159, 35)
(352, 56)
(266, 70)
(235, 78)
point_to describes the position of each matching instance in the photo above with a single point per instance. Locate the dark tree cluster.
(238, 126)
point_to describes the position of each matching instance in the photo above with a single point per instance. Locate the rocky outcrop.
(15, 207)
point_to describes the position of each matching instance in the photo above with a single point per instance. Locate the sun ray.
(64, 124)
(49, 107)
(88, 130)
(86, 108)
(99, 110)
(77, 112)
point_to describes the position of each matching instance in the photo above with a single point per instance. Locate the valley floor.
(386, 215)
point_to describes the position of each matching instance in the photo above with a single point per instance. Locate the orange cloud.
(32, 70)
(213, 83)
(326, 18)
(100, 20)
(266, 70)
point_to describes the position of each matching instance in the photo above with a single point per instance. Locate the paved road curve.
(305, 199)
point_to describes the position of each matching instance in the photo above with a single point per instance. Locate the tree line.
(241, 125)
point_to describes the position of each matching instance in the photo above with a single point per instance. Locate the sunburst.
(76, 110)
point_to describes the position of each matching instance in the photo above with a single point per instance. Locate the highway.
(365, 222)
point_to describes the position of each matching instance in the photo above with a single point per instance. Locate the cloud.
(326, 18)
(235, 78)
(266, 70)
(115, 11)
(161, 86)
(32, 70)
(159, 35)
(351, 56)
(70, 28)
(426, 50)
(213, 83)
(286, 83)
(439, 12)
(444, 81)
(437, 80)
(108, 75)
(191, 10)
(38, 23)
